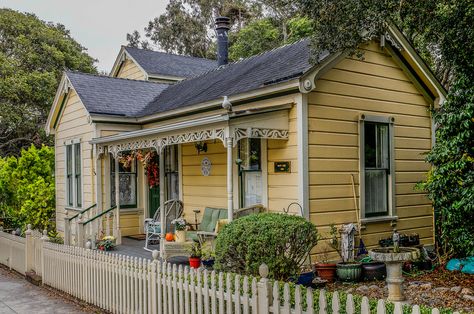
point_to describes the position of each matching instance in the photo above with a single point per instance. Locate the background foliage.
(187, 27)
(27, 194)
(33, 55)
(442, 31)
(278, 240)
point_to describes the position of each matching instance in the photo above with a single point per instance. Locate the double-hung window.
(73, 175)
(377, 166)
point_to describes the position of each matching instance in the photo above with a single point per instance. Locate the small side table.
(176, 249)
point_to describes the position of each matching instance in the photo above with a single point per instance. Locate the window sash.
(377, 166)
(73, 175)
(127, 185)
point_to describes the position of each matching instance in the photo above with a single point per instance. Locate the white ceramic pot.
(180, 236)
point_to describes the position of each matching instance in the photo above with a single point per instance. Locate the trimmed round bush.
(281, 241)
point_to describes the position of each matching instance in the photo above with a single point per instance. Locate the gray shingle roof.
(274, 66)
(114, 96)
(130, 98)
(156, 62)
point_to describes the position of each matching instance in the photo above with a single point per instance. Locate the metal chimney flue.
(222, 30)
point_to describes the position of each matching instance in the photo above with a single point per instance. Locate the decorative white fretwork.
(240, 133)
(159, 143)
(393, 41)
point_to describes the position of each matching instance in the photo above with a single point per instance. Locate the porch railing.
(71, 223)
(104, 222)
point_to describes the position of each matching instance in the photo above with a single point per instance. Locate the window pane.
(77, 174)
(252, 188)
(69, 175)
(376, 192)
(382, 146)
(127, 184)
(250, 154)
(370, 145)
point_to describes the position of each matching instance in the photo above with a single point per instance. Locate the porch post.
(162, 202)
(230, 192)
(98, 193)
(117, 234)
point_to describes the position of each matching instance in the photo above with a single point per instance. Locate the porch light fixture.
(200, 147)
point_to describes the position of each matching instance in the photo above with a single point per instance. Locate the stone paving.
(19, 296)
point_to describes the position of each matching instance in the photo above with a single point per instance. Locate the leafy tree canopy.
(187, 27)
(33, 55)
(263, 34)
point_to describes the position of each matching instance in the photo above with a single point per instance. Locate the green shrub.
(278, 240)
(27, 193)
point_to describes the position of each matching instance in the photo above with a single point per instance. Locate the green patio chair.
(208, 224)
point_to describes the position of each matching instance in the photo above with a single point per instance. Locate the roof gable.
(163, 65)
(114, 96)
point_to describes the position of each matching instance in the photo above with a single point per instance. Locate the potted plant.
(325, 269)
(180, 229)
(107, 243)
(195, 254)
(306, 276)
(207, 257)
(347, 270)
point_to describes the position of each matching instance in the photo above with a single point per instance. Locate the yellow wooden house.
(344, 139)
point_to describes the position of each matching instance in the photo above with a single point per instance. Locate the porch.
(222, 161)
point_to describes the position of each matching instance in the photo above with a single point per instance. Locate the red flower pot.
(326, 271)
(194, 262)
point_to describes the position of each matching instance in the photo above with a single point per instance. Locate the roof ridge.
(170, 53)
(115, 78)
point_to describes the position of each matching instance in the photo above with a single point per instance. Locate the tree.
(442, 30)
(27, 190)
(33, 55)
(187, 26)
(264, 34)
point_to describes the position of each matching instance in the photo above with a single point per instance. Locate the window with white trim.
(377, 166)
(73, 175)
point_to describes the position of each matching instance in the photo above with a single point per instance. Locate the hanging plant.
(150, 162)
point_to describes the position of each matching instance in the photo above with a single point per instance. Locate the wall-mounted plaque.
(205, 167)
(282, 166)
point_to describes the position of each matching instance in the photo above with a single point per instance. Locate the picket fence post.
(80, 232)
(264, 291)
(29, 249)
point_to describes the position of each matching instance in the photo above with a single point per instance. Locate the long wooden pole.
(162, 201)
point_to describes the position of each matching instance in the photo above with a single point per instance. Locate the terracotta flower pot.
(194, 262)
(349, 271)
(326, 271)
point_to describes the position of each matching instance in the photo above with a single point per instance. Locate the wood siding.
(130, 70)
(73, 125)
(373, 86)
(283, 187)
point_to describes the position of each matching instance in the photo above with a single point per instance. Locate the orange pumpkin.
(169, 237)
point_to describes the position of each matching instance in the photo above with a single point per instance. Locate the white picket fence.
(124, 284)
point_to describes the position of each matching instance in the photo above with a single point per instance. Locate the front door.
(153, 200)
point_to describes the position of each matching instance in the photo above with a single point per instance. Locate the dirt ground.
(438, 288)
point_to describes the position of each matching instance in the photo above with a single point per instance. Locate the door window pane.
(250, 172)
(77, 174)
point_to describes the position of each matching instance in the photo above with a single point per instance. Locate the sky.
(99, 25)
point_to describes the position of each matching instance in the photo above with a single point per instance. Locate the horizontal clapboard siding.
(374, 86)
(131, 71)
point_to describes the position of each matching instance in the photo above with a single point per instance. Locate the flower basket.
(106, 243)
(180, 236)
